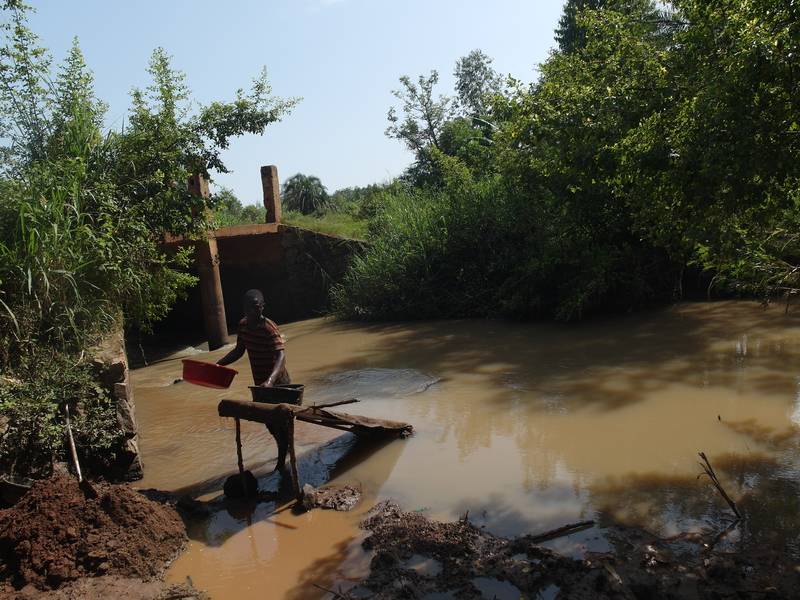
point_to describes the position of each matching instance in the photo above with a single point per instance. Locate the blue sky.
(342, 56)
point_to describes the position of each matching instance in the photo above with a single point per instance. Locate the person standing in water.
(263, 342)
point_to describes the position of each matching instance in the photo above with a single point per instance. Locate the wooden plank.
(269, 413)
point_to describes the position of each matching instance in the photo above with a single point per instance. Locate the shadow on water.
(316, 467)
(319, 573)
(626, 357)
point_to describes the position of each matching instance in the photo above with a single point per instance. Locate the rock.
(341, 498)
(111, 364)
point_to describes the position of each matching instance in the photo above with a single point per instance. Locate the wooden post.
(293, 459)
(239, 459)
(270, 185)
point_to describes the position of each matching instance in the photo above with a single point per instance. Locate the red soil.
(56, 534)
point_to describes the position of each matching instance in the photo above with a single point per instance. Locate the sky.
(343, 57)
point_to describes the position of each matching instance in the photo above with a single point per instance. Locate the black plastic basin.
(290, 393)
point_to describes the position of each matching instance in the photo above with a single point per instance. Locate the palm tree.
(304, 193)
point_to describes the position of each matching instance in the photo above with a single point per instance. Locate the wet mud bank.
(62, 540)
(416, 557)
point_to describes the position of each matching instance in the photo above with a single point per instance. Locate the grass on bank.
(332, 223)
(340, 224)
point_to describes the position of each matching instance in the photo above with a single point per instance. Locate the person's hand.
(267, 383)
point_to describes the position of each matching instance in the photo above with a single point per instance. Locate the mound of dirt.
(56, 534)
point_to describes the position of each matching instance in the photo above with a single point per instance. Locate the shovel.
(86, 487)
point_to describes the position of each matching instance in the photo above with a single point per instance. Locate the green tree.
(458, 125)
(424, 114)
(476, 82)
(658, 137)
(304, 193)
(25, 86)
(569, 35)
(75, 87)
(252, 213)
(724, 147)
(225, 199)
(571, 32)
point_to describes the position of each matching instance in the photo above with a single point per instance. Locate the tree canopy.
(657, 149)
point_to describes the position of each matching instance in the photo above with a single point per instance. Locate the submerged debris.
(466, 562)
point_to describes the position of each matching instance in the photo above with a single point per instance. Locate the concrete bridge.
(294, 267)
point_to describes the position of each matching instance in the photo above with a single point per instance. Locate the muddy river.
(526, 426)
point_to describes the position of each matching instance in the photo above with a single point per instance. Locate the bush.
(483, 247)
(431, 254)
(32, 403)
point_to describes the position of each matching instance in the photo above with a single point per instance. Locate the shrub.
(32, 403)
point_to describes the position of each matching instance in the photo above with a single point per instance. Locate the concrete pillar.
(206, 257)
(272, 193)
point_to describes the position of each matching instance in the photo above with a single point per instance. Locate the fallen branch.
(709, 471)
(559, 532)
(340, 595)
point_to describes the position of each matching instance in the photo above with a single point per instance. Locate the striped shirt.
(263, 344)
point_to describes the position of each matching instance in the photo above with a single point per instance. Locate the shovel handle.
(72, 448)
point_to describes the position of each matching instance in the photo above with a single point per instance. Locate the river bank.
(414, 557)
(410, 555)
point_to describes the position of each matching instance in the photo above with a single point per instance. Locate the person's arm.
(276, 370)
(235, 354)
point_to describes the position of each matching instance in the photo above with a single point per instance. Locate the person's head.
(253, 305)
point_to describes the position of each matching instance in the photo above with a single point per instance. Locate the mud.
(332, 497)
(471, 563)
(111, 587)
(56, 534)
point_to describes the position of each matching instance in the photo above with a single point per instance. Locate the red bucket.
(207, 374)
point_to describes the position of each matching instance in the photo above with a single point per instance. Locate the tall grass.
(52, 260)
(432, 254)
(331, 221)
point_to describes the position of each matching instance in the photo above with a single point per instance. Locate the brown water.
(526, 426)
